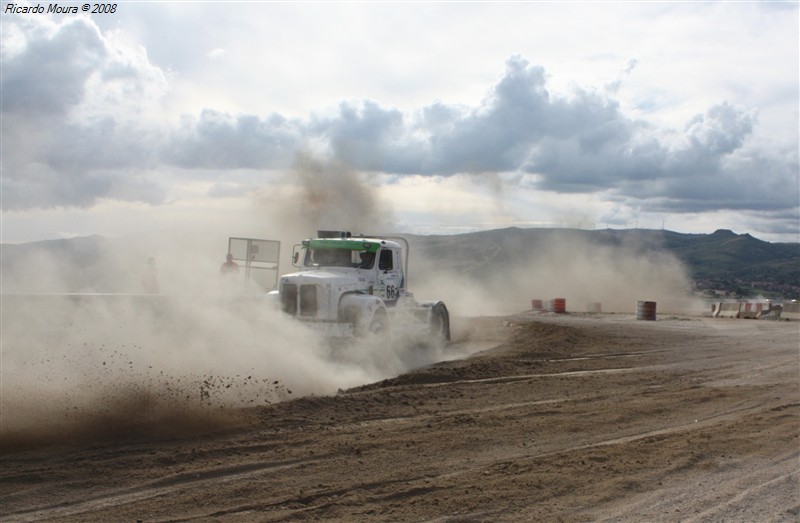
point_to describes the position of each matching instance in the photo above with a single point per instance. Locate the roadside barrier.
(791, 311)
(746, 310)
(715, 308)
(728, 310)
(754, 311)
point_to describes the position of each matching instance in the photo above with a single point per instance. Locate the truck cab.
(349, 286)
(374, 265)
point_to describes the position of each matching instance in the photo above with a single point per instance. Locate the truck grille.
(308, 300)
(289, 298)
(307, 303)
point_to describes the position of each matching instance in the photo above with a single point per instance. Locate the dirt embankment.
(568, 418)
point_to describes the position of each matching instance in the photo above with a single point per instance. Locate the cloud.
(223, 141)
(577, 144)
(82, 122)
(230, 190)
(216, 54)
(498, 135)
(720, 131)
(362, 133)
(74, 117)
(47, 76)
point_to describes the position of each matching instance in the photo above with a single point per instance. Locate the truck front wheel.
(379, 323)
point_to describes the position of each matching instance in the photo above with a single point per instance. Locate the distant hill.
(67, 265)
(721, 264)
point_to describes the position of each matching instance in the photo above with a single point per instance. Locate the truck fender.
(272, 299)
(366, 313)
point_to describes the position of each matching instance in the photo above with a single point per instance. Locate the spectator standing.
(230, 266)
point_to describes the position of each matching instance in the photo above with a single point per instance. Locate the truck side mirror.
(296, 255)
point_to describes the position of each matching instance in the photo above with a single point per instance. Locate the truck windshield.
(328, 252)
(339, 258)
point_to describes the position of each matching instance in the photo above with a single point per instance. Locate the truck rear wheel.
(440, 324)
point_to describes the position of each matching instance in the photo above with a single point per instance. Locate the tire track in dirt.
(197, 478)
(762, 488)
(156, 488)
(318, 501)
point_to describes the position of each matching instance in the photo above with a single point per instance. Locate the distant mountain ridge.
(720, 264)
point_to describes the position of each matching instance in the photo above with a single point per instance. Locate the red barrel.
(558, 305)
(536, 305)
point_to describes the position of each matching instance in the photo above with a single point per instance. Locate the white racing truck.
(351, 286)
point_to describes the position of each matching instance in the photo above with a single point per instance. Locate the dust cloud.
(326, 195)
(91, 350)
(99, 366)
(87, 353)
(580, 271)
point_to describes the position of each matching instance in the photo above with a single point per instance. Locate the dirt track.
(568, 418)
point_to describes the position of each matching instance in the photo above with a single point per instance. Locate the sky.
(455, 116)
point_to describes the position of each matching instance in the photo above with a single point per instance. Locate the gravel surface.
(562, 418)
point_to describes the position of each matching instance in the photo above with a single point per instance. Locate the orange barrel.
(536, 305)
(646, 310)
(558, 305)
(594, 307)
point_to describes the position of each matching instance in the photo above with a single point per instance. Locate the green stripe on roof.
(350, 245)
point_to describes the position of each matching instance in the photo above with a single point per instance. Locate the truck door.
(390, 275)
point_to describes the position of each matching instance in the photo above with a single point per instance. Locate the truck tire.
(440, 324)
(379, 323)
